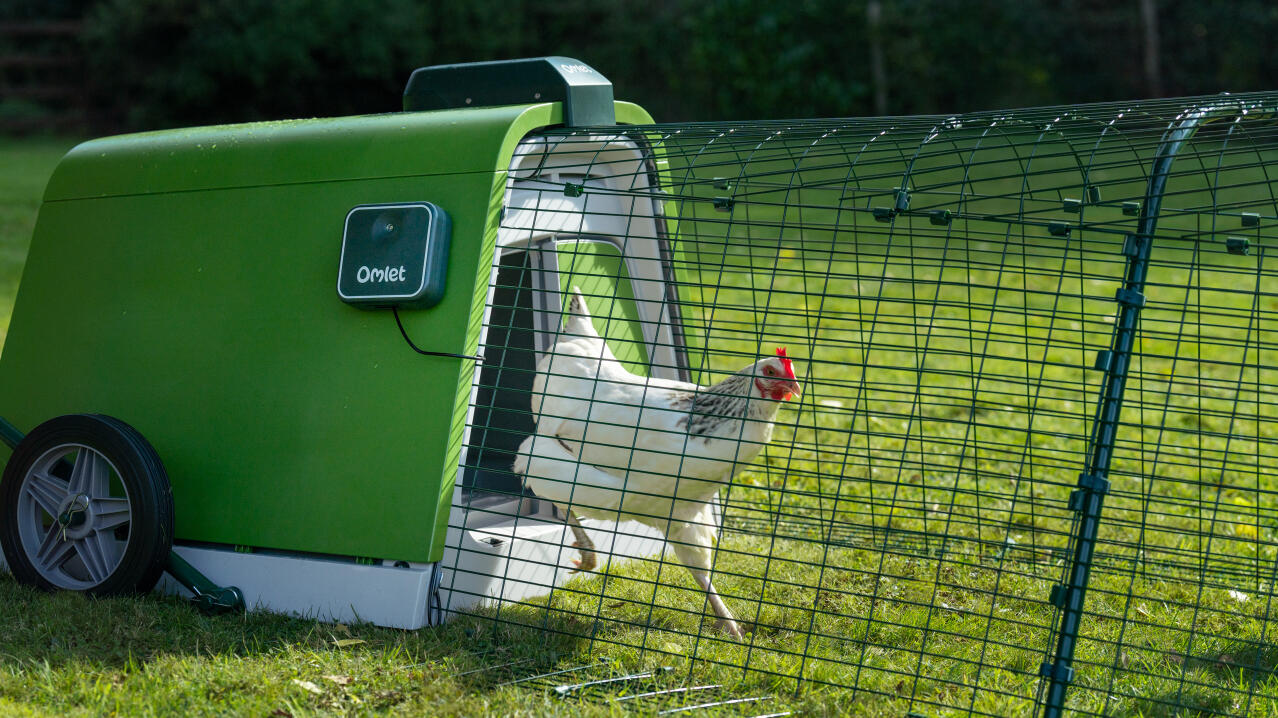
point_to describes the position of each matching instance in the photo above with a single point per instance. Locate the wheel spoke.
(109, 513)
(90, 475)
(53, 551)
(47, 491)
(98, 553)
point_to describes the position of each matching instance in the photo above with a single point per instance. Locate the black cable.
(419, 350)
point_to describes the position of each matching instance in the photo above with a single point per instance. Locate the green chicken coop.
(1035, 448)
(183, 283)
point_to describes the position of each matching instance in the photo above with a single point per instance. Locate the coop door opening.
(529, 294)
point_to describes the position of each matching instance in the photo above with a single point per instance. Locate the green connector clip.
(1056, 671)
(573, 190)
(1238, 245)
(1104, 358)
(1250, 219)
(1059, 595)
(1131, 245)
(1094, 194)
(1077, 500)
(1131, 209)
(723, 204)
(883, 214)
(902, 201)
(940, 217)
(1073, 205)
(1093, 483)
(1058, 229)
(1130, 298)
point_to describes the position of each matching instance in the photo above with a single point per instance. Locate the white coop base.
(328, 590)
(516, 558)
(497, 558)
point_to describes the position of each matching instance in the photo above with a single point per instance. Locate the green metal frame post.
(1088, 499)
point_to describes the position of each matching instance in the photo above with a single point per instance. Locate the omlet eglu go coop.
(956, 413)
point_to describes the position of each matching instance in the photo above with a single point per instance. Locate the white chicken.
(612, 445)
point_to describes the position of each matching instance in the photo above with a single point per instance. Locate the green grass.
(895, 545)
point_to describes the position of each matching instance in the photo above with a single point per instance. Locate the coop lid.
(305, 151)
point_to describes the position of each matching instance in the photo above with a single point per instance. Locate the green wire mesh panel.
(1034, 444)
(1181, 594)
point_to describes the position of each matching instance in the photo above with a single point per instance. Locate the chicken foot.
(589, 560)
(726, 622)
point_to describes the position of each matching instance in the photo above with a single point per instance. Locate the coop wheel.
(85, 505)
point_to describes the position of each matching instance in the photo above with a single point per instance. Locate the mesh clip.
(1094, 483)
(1058, 229)
(1072, 205)
(883, 214)
(902, 201)
(1104, 358)
(573, 190)
(1094, 194)
(1250, 219)
(1130, 298)
(1237, 245)
(939, 217)
(1131, 209)
(1056, 671)
(723, 204)
(1132, 245)
(722, 183)
(1059, 595)
(1077, 500)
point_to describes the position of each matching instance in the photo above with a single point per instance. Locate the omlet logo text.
(384, 274)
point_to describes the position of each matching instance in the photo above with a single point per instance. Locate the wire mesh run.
(1030, 441)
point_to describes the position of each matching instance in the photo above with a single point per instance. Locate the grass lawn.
(894, 547)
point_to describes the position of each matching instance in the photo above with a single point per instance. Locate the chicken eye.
(769, 371)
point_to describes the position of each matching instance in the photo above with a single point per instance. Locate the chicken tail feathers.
(578, 321)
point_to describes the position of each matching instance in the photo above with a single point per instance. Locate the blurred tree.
(162, 63)
(159, 63)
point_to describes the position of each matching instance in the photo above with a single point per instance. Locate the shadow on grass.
(65, 629)
(1189, 703)
(1221, 682)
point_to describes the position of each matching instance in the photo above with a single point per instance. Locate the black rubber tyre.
(69, 528)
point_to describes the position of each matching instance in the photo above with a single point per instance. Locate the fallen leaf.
(1142, 610)
(307, 685)
(281, 713)
(343, 628)
(341, 680)
(348, 642)
(1238, 595)
(618, 604)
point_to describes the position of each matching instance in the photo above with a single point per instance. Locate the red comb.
(785, 362)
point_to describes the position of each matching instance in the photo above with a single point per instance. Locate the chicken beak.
(792, 389)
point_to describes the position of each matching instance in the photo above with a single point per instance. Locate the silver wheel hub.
(74, 517)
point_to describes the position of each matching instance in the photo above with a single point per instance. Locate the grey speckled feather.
(710, 409)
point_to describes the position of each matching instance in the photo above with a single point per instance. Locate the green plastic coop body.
(183, 281)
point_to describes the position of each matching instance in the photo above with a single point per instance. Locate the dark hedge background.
(147, 64)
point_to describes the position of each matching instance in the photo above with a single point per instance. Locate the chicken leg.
(726, 622)
(589, 560)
